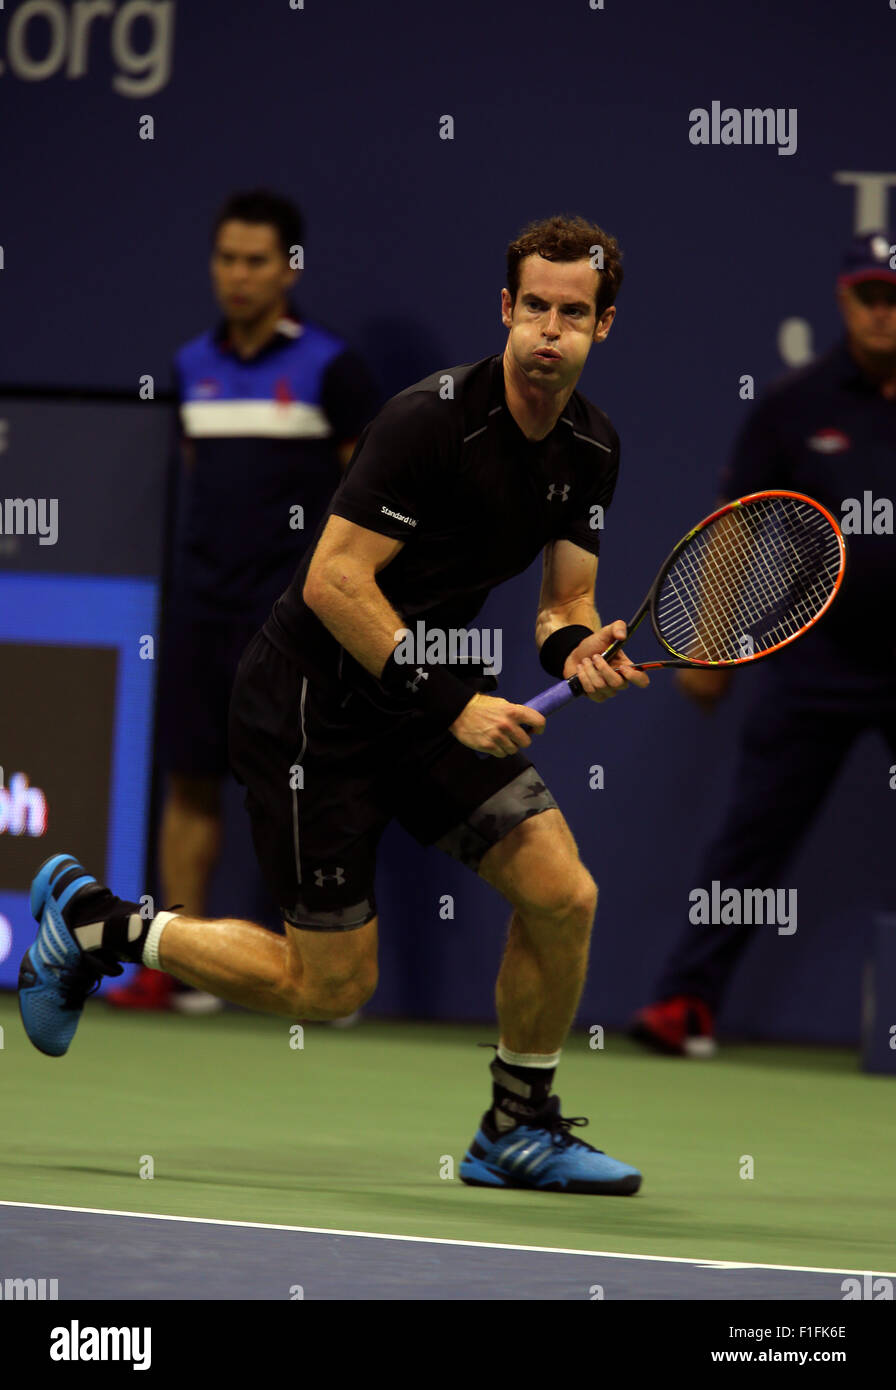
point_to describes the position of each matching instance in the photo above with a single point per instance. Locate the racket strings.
(744, 593)
(748, 581)
(741, 578)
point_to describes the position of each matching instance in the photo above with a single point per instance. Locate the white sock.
(528, 1059)
(153, 937)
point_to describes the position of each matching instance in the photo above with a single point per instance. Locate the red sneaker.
(149, 989)
(682, 1026)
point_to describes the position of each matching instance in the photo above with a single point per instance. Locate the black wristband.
(428, 687)
(556, 648)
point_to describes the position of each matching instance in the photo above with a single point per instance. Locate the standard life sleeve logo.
(76, 31)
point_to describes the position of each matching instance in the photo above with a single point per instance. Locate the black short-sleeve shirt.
(445, 468)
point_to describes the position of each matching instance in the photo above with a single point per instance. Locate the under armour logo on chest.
(414, 684)
(320, 878)
(561, 491)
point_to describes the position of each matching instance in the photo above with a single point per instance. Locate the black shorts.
(323, 782)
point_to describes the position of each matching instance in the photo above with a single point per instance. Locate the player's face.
(553, 322)
(250, 273)
(869, 313)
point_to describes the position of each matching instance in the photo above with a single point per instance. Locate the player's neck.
(535, 412)
(247, 338)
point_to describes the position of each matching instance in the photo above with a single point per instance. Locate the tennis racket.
(751, 578)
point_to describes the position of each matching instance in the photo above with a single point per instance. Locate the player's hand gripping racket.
(753, 576)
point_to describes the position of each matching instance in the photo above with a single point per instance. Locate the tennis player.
(458, 484)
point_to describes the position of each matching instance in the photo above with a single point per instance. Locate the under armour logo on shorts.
(562, 492)
(421, 676)
(320, 877)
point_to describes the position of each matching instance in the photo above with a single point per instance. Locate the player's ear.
(604, 324)
(506, 308)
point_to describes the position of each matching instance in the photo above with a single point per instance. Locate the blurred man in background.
(269, 407)
(828, 430)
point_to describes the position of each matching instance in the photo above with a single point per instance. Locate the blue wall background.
(556, 108)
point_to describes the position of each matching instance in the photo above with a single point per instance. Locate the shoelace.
(79, 981)
(559, 1127)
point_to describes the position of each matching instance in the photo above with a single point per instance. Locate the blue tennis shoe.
(543, 1154)
(56, 975)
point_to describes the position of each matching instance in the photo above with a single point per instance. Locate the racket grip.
(556, 696)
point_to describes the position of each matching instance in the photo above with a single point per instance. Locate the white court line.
(444, 1240)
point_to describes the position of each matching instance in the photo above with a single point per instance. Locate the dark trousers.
(794, 743)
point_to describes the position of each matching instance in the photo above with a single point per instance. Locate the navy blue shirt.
(826, 430)
(261, 460)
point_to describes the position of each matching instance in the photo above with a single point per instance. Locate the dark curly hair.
(568, 239)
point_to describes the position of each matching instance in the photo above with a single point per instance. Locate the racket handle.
(556, 696)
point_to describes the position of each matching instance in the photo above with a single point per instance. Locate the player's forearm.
(354, 609)
(581, 612)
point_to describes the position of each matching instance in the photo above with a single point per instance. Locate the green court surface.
(355, 1130)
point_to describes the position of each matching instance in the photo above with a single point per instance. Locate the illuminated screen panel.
(57, 727)
(76, 704)
(77, 675)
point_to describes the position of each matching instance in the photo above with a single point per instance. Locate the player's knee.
(580, 902)
(587, 893)
(339, 992)
(568, 895)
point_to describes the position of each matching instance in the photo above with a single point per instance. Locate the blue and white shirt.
(260, 437)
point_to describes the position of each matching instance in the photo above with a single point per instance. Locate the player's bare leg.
(524, 1140)
(304, 974)
(537, 868)
(86, 932)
